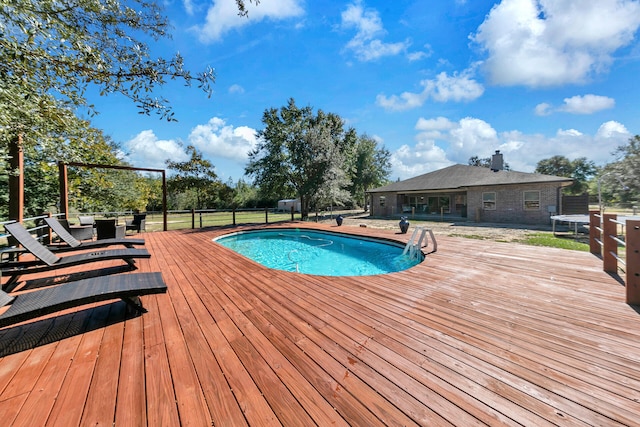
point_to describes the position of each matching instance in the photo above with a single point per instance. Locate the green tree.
(195, 175)
(300, 153)
(153, 187)
(620, 180)
(51, 51)
(59, 47)
(580, 170)
(371, 167)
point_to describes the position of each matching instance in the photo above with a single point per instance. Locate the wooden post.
(266, 215)
(234, 217)
(193, 218)
(594, 233)
(292, 214)
(16, 182)
(49, 231)
(632, 241)
(610, 246)
(164, 201)
(64, 189)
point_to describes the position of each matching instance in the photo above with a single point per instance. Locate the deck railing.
(607, 233)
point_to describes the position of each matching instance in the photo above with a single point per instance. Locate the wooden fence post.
(49, 231)
(193, 218)
(632, 241)
(292, 215)
(594, 233)
(610, 246)
(234, 217)
(266, 215)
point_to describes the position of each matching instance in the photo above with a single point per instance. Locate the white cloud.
(216, 139)
(437, 124)
(423, 157)
(579, 104)
(543, 109)
(444, 88)
(471, 136)
(569, 132)
(146, 150)
(188, 6)
(553, 42)
(236, 89)
(613, 130)
(587, 104)
(441, 142)
(222, 16)
(366, 44)
(416, 56)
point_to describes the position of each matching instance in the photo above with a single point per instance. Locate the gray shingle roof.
(463, 176)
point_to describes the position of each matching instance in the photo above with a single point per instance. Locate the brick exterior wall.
(509, 205)
(388, 209)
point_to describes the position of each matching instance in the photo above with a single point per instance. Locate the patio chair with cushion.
(46, 260)
(86, 220)
(57, 226)
(128, 287)
(138, 223)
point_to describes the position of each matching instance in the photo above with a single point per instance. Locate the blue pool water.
(320, 253)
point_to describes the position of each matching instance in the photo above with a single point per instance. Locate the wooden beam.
(16, 181)
(633, 262)
(610, 246)
(164, 200)
(594, 232)
(64, 189)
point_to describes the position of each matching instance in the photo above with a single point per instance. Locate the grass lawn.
(549, 240)
(212, 219)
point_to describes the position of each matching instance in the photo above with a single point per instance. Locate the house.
(477, 193)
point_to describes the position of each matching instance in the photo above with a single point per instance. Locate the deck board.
(481, 333)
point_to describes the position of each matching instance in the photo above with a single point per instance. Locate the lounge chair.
(74, 244)
(128, 287)
(47, 260)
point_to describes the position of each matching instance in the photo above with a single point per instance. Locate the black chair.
(109, 229)
(138, 223)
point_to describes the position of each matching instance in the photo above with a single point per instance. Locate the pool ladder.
(414, 245)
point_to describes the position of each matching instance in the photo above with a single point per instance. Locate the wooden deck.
(481, 333)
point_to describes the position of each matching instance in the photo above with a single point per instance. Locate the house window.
(489, 201)
(531, 200)
(383, 199)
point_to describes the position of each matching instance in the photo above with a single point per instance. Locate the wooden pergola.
(64, 187)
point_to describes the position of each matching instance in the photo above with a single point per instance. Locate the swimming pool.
(319, 252)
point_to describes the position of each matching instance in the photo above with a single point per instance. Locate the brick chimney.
(497, 161)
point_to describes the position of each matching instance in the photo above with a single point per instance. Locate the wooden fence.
(609, 232)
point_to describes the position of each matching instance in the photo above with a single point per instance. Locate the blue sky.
(434, 82)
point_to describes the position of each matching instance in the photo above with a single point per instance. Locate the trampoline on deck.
(583, 220)
(575, 220)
